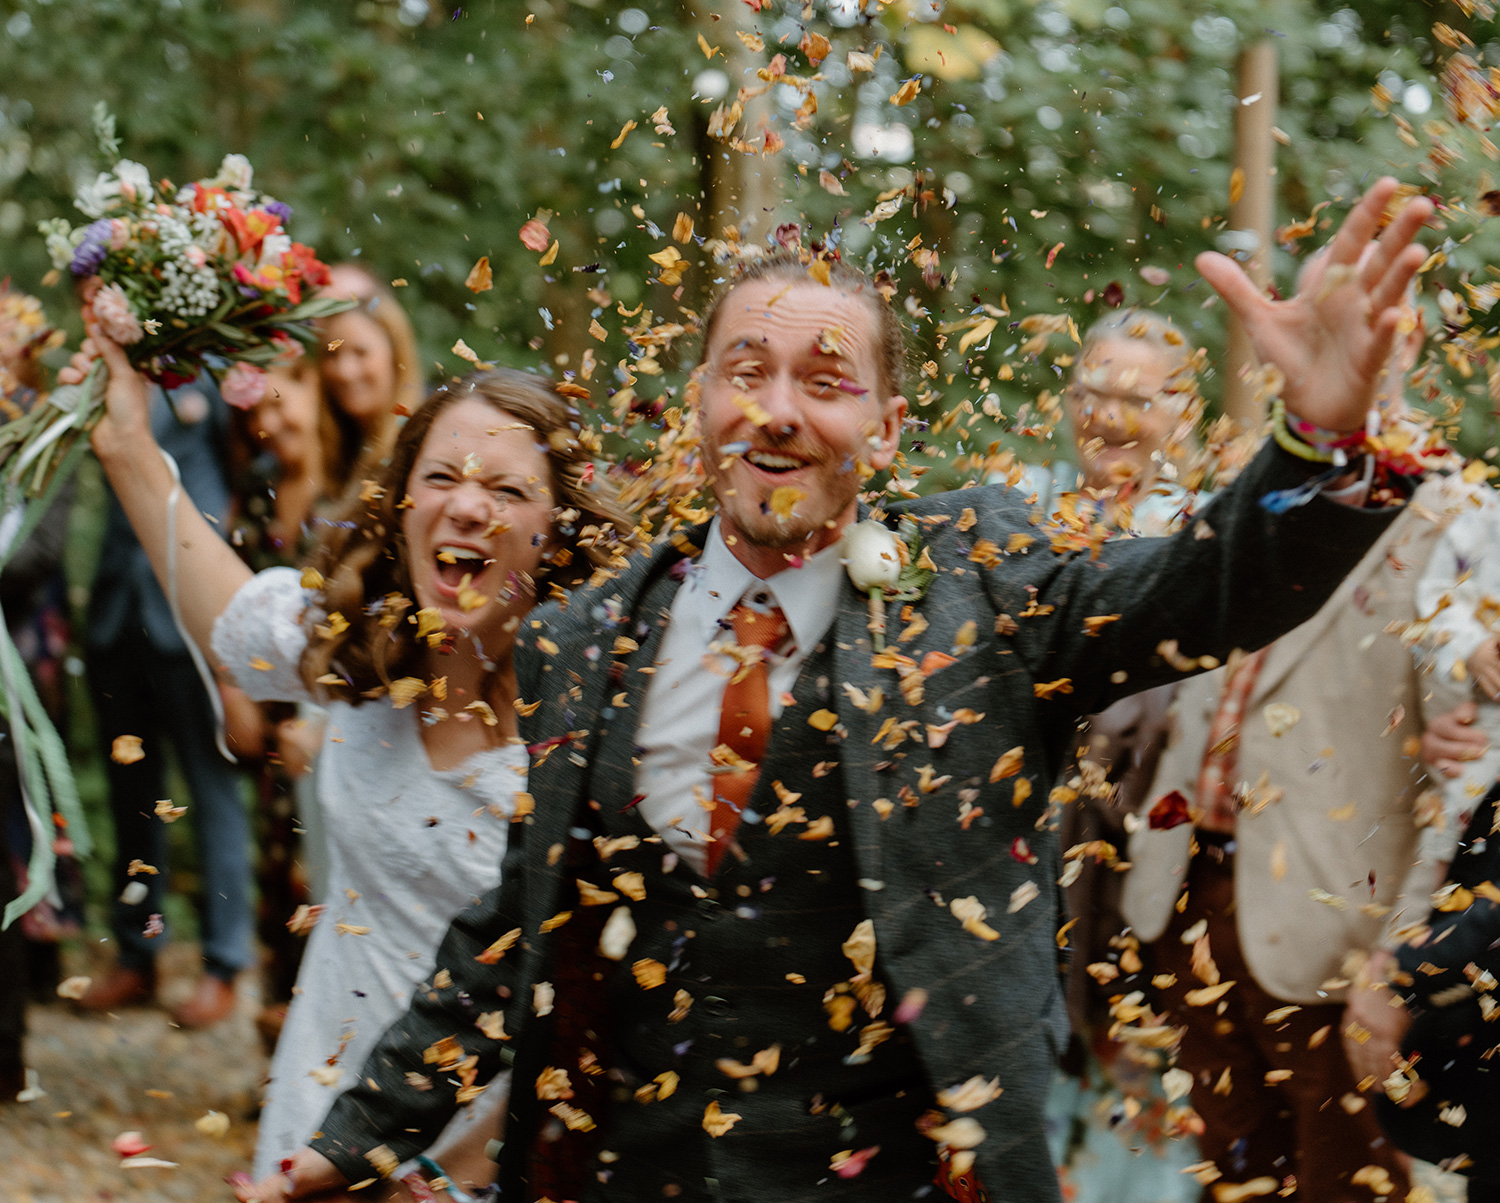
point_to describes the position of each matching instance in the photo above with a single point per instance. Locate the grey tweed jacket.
(1026, 665)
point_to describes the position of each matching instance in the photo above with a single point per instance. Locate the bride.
(405, 629)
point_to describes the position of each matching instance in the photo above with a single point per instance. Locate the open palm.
(1331, 341)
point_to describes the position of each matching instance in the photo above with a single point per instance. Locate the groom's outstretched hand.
(1332, 340)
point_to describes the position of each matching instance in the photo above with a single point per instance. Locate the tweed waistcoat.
(758, 1011)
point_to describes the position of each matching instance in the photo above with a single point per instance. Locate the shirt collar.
(808, 595)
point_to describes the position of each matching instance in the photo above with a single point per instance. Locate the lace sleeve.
(259, 638)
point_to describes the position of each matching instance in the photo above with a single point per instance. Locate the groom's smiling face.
(791, 404)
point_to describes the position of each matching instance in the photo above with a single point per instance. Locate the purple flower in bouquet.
(91, 251)
(280, 208)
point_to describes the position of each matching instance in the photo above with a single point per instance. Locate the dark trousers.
(140, 691)
(1254, 1129)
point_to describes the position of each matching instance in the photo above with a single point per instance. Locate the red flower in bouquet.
(250, 229)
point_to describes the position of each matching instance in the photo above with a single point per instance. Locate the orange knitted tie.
(744, 724)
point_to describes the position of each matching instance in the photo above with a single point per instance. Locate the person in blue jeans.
(144, 683)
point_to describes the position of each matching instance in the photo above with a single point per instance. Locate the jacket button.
(716, 1006)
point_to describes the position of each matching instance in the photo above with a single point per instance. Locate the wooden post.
(1252, 214)
(738, 189)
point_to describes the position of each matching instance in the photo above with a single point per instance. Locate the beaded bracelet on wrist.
(1308, 441)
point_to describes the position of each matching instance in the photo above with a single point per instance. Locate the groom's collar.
(808, 594)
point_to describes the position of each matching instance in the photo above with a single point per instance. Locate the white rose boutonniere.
(885, 566)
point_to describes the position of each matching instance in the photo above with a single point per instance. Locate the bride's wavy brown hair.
(362, 555)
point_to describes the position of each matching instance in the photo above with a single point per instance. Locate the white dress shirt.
(680, 713)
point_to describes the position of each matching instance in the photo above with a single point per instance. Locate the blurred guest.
(1131, 406)
(370, 371)
(288, 464)
(144, 684)
(1458, 601)
(1290, 775)
(1132, 409)
(286, 453)
(1440, 1104)
(33, 597)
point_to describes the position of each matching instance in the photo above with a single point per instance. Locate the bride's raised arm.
(208, 571)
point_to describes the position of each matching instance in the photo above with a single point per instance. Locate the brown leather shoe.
(213, 1000)
(120, 988)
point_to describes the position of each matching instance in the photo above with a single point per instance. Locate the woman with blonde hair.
(370, 371)
(405, 629)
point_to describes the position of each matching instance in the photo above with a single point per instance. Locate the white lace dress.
(409, 847)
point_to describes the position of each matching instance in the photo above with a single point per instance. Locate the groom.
(784, 923)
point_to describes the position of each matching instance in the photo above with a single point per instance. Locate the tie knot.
(766, 629)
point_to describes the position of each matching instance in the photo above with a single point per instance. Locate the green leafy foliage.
(1055, 148)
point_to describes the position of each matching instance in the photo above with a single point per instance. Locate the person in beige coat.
(1318, 862)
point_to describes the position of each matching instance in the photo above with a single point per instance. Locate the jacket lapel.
(571, 774)
(613, 762)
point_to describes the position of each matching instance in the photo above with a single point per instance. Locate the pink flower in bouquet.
(115, 317)
(243, 386)
(119, 234)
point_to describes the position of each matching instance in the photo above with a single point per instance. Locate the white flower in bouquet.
(62, 240)
(115, 316)
(96, 199)
(273, 248)
(134, 182)
(235, 172)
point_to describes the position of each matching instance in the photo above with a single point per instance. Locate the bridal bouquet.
(191, 278)
(202, 277)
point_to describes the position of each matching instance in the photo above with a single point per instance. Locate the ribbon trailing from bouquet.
(46, 778)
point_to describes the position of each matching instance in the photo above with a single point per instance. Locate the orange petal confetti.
(784, 499)
(1008, 765)
(480, 277)
(815, 46)
(716, 1121)
(908, 92)
(126, 749)
(970, 1095)
(649, 974)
